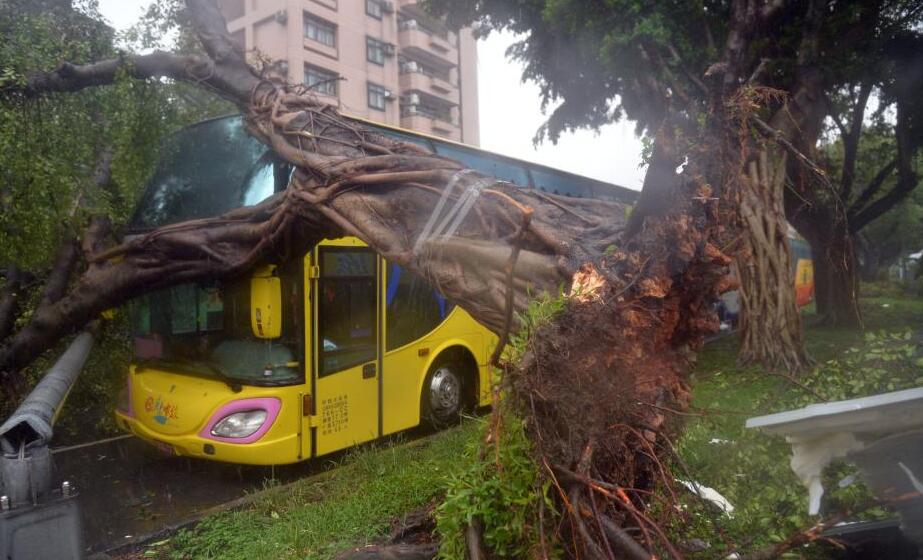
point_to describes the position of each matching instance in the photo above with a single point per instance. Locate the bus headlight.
(240, 424)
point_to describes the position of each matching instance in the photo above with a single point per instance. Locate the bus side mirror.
(266, 303)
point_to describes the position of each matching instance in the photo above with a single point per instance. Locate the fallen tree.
(599, 382)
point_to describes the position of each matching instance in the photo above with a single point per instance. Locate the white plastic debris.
(847, 480)
(709, 494)
(811, 455)
(821, 433)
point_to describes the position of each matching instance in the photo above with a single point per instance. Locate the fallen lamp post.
(39, 519)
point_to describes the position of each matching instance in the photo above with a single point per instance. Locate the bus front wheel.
(443, 395)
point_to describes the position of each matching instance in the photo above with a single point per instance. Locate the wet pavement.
(128, 488)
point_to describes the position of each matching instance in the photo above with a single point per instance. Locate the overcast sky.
(510, 114)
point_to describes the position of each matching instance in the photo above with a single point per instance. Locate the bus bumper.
(277, 451)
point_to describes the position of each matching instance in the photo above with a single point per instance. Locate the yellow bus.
(301, 358)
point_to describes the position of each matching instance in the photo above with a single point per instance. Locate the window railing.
(406, 24)
(415, 67)
(428, 111)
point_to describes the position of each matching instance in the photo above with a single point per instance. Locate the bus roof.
(618, 192)
(624, 194)
(214, 166)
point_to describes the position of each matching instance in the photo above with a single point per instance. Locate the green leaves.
(886, 361)
(50, 147)
(500, 489)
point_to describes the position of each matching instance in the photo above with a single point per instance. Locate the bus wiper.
(185, 364)
(235, 385)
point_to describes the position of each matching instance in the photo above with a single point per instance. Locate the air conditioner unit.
(387, 7)
(412, 66)
(281, 16)
(388, 49)
(413, 99)
(410, 24)
(389, 95)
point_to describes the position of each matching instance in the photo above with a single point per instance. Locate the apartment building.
(384, 60)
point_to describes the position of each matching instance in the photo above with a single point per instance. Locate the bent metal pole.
(24, 437)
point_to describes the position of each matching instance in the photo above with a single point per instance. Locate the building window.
(320, 80)
(377, 96)
(373, 8)
(319, 30)
(376, 51)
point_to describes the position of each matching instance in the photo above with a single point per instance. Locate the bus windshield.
(209, 169)
(204, 330)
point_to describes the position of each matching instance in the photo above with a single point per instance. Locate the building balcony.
(412, 9)
(432, 85)
(429, 124)
(426, 46)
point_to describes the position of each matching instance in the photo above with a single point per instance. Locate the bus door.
(345, 345)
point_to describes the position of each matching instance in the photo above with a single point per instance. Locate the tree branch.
(56, 285)
(873, 187)
(851, 141)
(904, 186)
(907, 177)
(780, 138)
(226, 72)
(212, 31)
(835, 117)
(9, 300)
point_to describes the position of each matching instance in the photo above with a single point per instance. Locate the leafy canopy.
(602, 60)
(52, 147)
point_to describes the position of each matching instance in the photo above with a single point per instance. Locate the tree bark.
(770, 322)
(836, 279)
(9, 300)
(812, 204)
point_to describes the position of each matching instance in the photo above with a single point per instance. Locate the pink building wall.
(430, 72)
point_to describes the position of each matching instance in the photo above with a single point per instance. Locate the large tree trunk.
(770, 322)
(812, 204)
(836, 278)
(869, 259)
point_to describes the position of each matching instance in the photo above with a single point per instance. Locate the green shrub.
(501, 490)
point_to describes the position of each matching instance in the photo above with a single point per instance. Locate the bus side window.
(413, 308)
(346, 308)
(556, 183)
(488, 165)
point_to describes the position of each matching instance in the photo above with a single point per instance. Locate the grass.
(886, 312)
(348, 506)
(751, 469)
